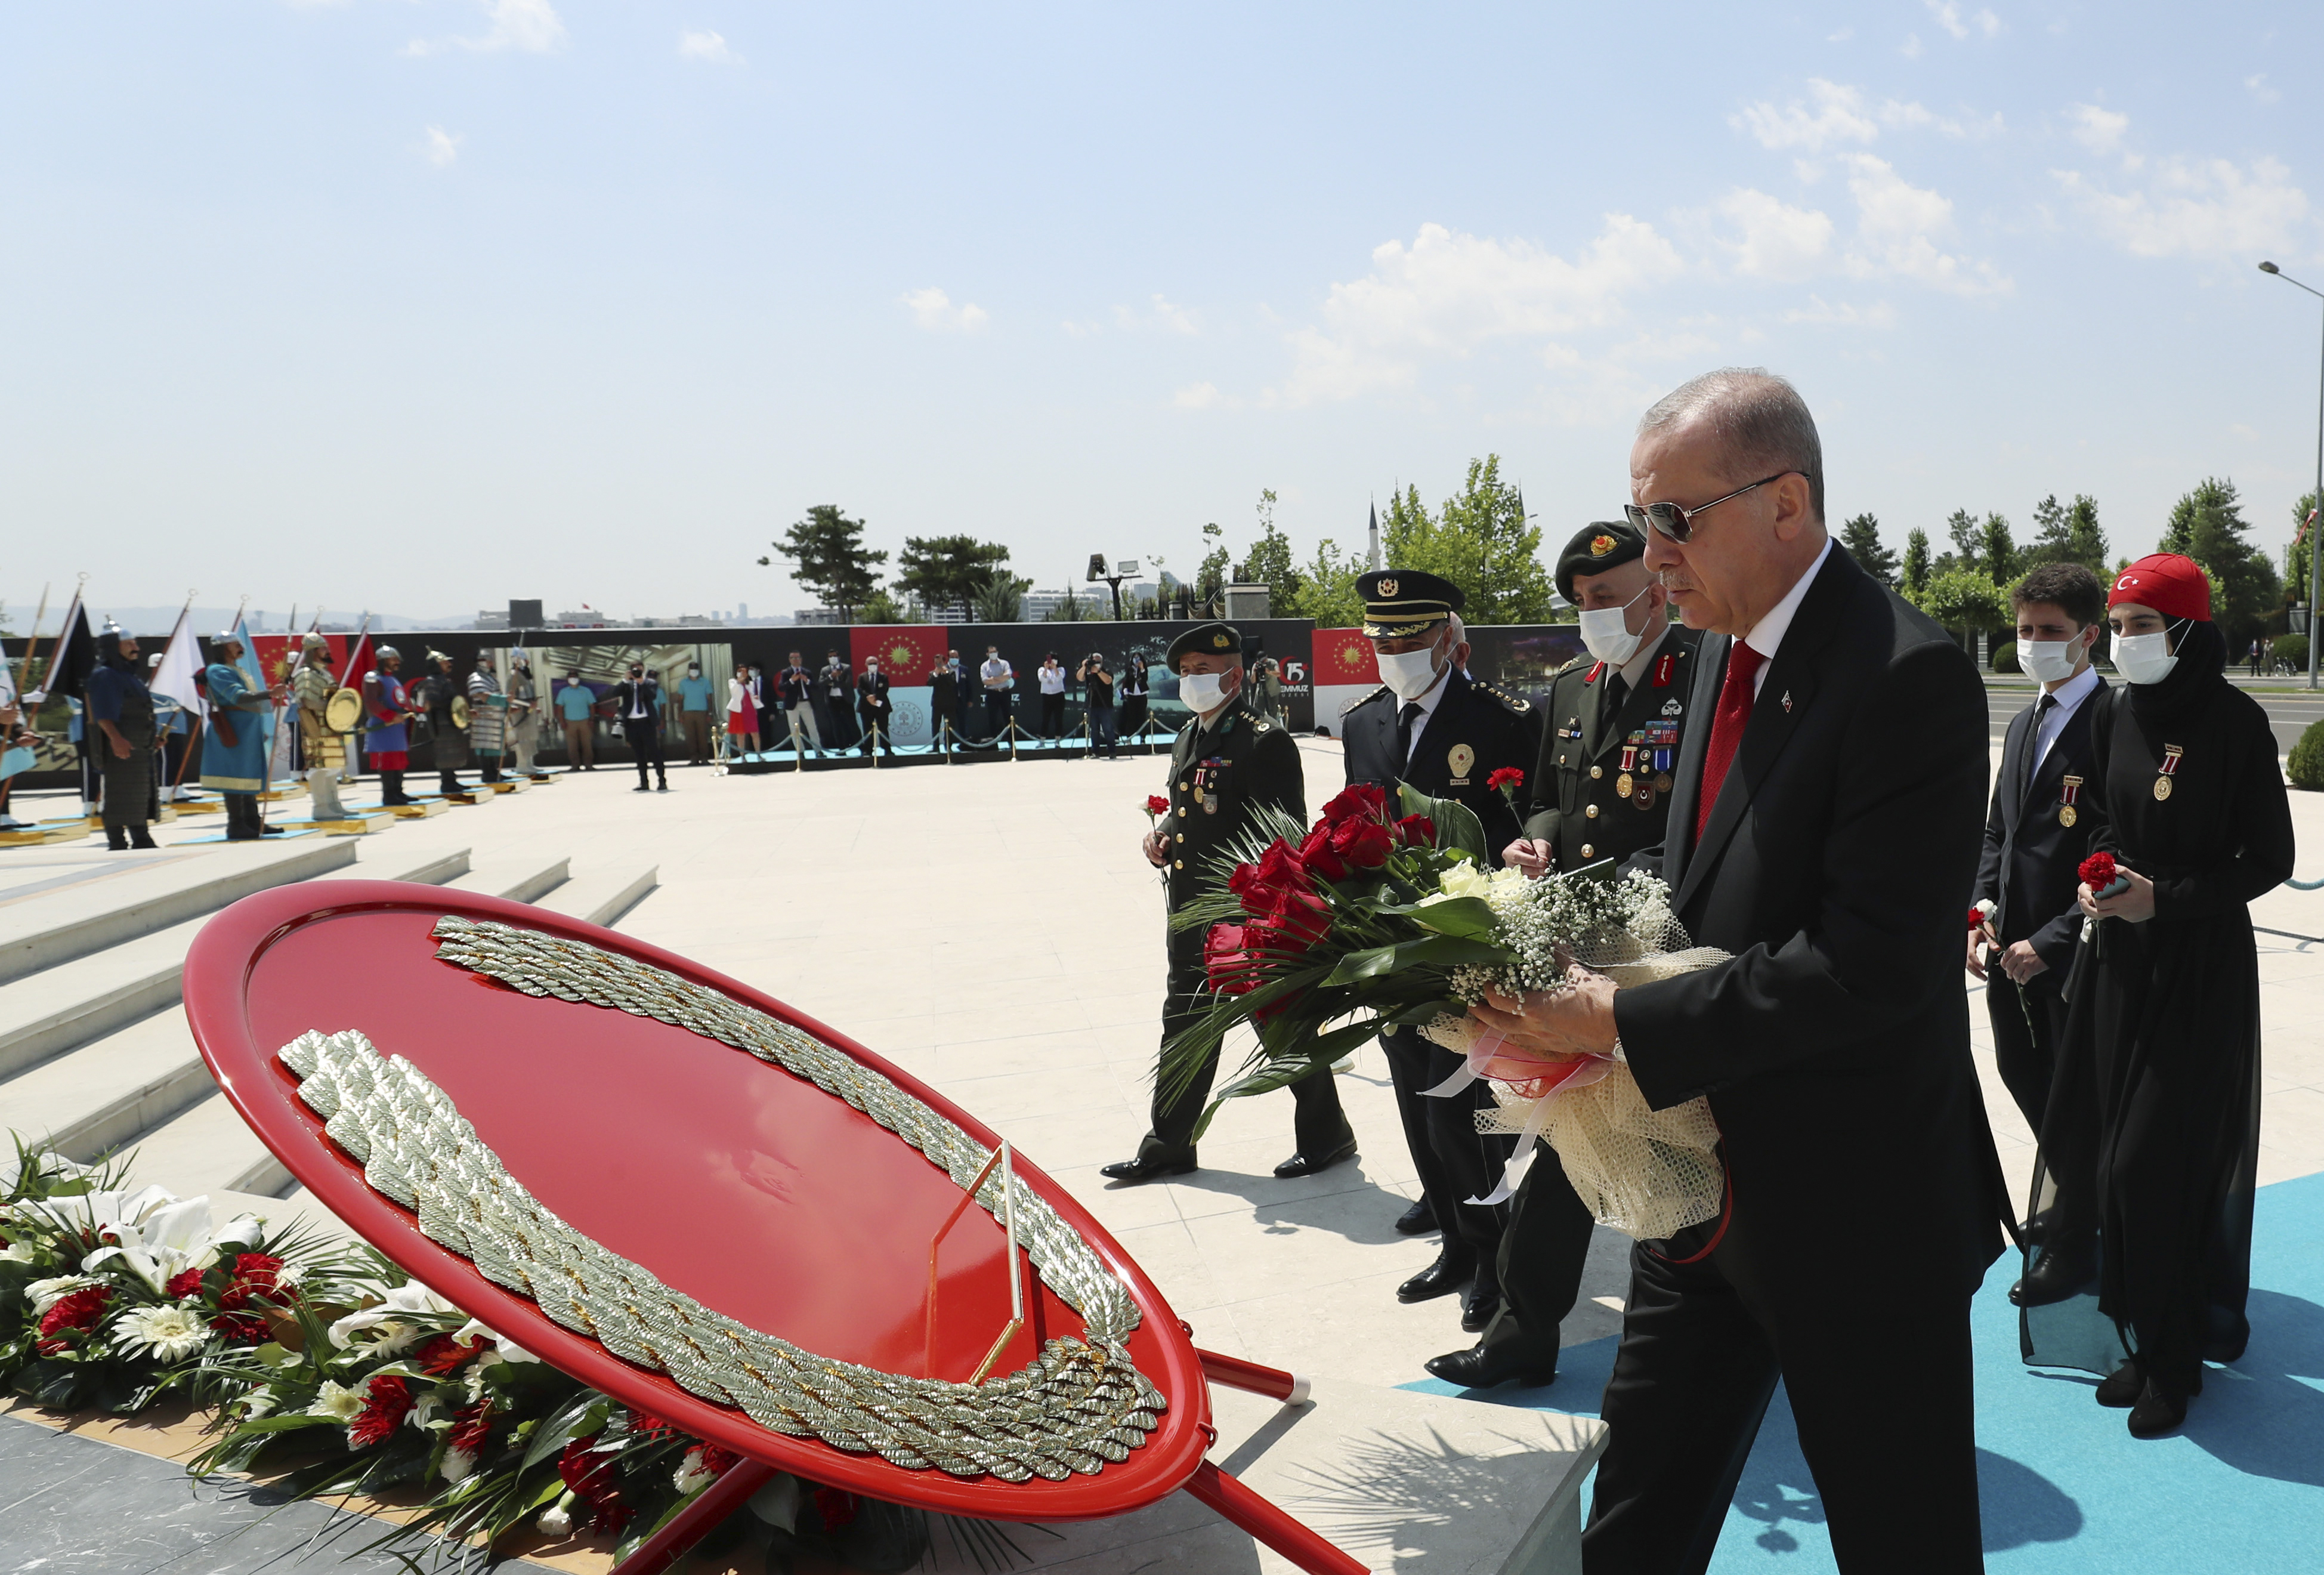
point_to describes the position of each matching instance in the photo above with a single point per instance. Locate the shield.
(342, 711)
(529, 1112)
(459, 711)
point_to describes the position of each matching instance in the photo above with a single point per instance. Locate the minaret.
(1375, 536)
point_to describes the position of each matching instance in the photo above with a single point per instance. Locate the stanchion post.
(874, 742)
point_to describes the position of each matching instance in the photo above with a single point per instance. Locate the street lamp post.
(2315, 523)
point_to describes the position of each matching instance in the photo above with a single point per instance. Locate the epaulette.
(1516, 703)
(1568, 667)
(1363, 699)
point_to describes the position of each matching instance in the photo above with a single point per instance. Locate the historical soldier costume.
(523, 712)
(636, 704)
(2035, 835)
(487, 717)
(437, 691)
(387, 718)
(2162, 1038)
(124, 738)
(1432, 726)
(871, 707)
(322, 753)
(234, 754)
(1224, 764)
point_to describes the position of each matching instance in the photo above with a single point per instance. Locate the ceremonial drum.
(683, 1192)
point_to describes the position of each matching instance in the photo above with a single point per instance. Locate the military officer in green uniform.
(1600, 791)
(1228, 760)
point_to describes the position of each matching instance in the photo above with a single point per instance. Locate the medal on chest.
(1206, 784)
(1458, 761)
(2167, 770)
(2068, 792)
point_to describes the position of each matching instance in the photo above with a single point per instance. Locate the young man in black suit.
(1824, 832)
(2035, 835)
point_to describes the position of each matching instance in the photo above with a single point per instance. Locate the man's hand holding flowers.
(1565, 1025)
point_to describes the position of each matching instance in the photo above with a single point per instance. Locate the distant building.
(493, 620)
(1035, 606)
(588, 617)
(817, 615)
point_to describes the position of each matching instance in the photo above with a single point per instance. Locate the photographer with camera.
(1099, 677)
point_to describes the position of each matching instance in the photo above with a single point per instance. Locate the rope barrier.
(2317, 884)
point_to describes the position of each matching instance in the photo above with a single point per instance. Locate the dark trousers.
(1319, 1127)
(839, 724)
(645, 739)
(1454, 1161)
(242, 822)
(996, 712)
(882, 722)
(1133, 714)
(1544, 1247)
(697, 737)
(129, 796)
(1053, 715)
(1102, 729)
(1896, 1469)
(2028, 1026)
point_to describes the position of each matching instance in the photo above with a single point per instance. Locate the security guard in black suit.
(1227, 761)
(1433, 726)
(1600, 790)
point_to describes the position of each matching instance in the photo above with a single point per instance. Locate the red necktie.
(1735, 698)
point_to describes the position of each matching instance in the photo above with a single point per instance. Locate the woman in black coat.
(2158, 1089)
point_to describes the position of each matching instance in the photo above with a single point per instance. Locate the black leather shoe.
(2120, 1389)
(1447, 1275)
(2057, 1272)
(2159, 1411)
(1144, 1170)
(1417, 1221)
(1478, 1305)
(1299, 1165)
(1482, 1369)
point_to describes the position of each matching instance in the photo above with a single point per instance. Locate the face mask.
(871, 666)
(1411, 675)
(693, 672)
(1606, 631)
(2144, 659)
(1202, 692)
(2049, 661)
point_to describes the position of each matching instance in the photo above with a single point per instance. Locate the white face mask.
(2144, 659)
(1203, 692)
(1410, 674)
(1606, 631)
(2049, 661)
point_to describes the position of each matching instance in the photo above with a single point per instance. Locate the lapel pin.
(1787, 699)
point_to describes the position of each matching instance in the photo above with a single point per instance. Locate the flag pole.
(32, 635)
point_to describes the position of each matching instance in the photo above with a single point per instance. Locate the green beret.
(1594, 550)
(1212, 639)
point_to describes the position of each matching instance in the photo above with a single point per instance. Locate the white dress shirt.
(2068, 696)
(1053, 680)
(1768, 632)
(1427, 704)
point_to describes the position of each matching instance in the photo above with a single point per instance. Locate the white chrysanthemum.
(169, 1333)
(16, 1252)
(44, 1294)
(337, 1401)
(457, 1465)
(691, 1477)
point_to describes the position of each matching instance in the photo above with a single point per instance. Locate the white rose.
(457, 1466)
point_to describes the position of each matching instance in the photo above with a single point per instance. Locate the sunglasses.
(1678, 523)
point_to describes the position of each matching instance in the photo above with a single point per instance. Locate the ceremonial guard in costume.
(2035, 835)
(234, 755)
(1227, 762)
(523, 712)
(124, 739)
(487, 717)
(2163, 1035)
(387, 717)
(1433, 727)
(446, 703)
(322, 749)
(1599, 791)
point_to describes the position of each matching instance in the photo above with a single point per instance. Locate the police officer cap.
(1594, 550)
(1398, 601)
(1206, 639)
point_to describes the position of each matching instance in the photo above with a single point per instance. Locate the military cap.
(1213, 638)
(1594, 550)
(1406, 601)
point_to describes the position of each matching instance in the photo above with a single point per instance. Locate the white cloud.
(2197, 208)
(1910, 48)
(1778, 242)
(2260, 90)
(1839, 116)
(1821, 313)
(1948, 16)
(2098, 130)
(1159, 315)
(1898, 230)
(532, 26)
(1197, 396)
(706, 46)
(1448, 294)
(933, 309)
(443, 146)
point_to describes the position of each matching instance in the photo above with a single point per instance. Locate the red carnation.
(441, 1354)
(470, 1425)
(1156, 804)
(2098, 871)
(1976, 919)
(1365, 843)
(1507, 777)
(1362, 802)
(256, 1273)
(241, 1328)
(76, 1310)
(1315, 854)
(716, 1460)
(836, 1506)
(647, 1423)
(387, 1401)
(182, 1285)
(591, 1477)
(1416, 831)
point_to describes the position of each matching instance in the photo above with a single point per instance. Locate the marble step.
(601, 897)
(517, 879)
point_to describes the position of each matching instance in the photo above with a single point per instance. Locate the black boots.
(140, 837)
(390, 788)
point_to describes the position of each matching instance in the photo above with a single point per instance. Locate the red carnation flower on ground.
(182, 1285)
(1156, 804)
(1417, 831)
(241, 1328)
(256, 1273)
(1365, 843)
(1362, 801)
(1507, 777)
(76, 1310)
(387, 1401)
(470, 1424)
(2098, 871)
(441, 1354)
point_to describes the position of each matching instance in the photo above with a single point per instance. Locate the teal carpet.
(2239, 1491)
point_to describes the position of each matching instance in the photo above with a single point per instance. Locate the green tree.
(881, 607)
(1212, 572)
(1964, 599)
(1269, 562)
(1915, 570)
(1998, 551)
(1073, 609)
(2064, 533)
(947, 571)
(2207, 525)
(1861, 536)
(829, 560)
(1480, 540)
(1967, 537)
(2296, 555)
(1001, 599)
(1327, 589)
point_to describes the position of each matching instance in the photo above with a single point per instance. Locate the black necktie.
(1404, 719)
(2041, 709)
(1616, 691)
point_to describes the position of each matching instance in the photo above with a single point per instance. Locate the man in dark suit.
(637, 706)
(872, 709)
(1434, 727)
(1824, 830)
(2035, 835)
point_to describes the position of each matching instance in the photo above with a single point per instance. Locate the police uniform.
(1472, 730)
(1220, 775)
(1600, 790)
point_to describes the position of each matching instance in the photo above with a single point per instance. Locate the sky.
(421, 305)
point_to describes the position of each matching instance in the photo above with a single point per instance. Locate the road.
(2288, 710)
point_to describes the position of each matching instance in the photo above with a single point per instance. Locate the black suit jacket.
(2031, 863)
(1836, 866)
(1496, 729)
(871, 695)
(620, 694)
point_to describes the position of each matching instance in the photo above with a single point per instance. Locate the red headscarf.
(2172, 585)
